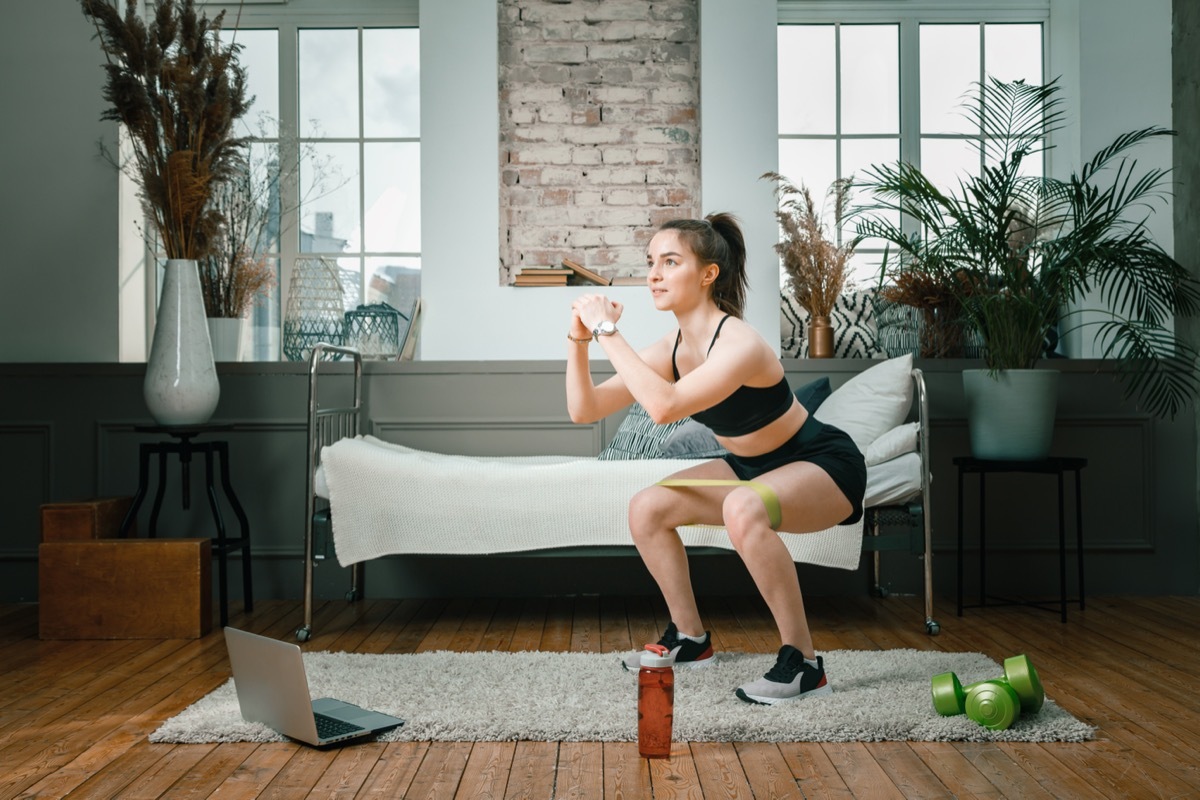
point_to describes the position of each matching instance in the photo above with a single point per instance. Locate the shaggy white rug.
(501, 696)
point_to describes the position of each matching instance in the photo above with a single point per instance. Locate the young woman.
(785, 471)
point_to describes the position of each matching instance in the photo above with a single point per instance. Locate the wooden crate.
(86, 519)
(125, 589)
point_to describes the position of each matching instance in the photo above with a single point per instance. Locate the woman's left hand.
(593, 308)
(578, 330)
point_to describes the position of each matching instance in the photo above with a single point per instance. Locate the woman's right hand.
(597, 308)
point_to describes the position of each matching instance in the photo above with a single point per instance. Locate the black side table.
(1048, 466)
(182, 445)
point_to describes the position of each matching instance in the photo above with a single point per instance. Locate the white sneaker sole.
(770, 701)
(708, 662)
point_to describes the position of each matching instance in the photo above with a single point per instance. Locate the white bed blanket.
(388, 499)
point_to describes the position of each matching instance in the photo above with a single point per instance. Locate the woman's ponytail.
(718, 239)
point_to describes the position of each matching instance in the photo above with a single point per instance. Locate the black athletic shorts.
(828, 447)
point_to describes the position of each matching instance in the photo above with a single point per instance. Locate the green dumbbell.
(995, 703)
(1021, 676)
(949, 698)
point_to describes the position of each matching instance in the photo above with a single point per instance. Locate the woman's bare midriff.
(769, 437)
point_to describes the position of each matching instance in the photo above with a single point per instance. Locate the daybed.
(385, 499)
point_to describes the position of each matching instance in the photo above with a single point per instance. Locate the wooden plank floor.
(74, 716)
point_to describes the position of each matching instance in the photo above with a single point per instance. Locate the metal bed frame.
(327, 424)
(914, 519)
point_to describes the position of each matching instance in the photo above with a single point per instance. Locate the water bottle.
(656, 702)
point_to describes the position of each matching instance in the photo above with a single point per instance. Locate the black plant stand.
(182, 445)
(1058, 466)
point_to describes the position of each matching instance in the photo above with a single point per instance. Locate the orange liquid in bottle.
(656, 701)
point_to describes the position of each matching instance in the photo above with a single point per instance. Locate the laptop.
(272, 688)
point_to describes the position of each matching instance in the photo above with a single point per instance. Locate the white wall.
(58, 198)
(1124, 84)
(739, 138)
(469, 316)
(58, 207)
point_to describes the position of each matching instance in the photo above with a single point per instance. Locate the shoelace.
(785, 670)
(670, 638)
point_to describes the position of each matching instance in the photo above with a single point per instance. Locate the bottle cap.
(655, 655)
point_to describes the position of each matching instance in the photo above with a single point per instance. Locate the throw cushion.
(896, 442)
(812, 394)
(793, 325)
(893, 481)
(692, 439)
(898, 327)
(872, 402)
(638, 436)
(853, 321)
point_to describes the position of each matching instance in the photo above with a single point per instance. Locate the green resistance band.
(769, 498)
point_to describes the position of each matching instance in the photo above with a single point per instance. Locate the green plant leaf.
(1016, 249)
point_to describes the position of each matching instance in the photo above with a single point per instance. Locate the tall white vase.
(181, 385)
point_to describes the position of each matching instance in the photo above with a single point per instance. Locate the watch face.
(605, 328)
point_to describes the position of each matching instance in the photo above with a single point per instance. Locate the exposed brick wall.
(598, 129)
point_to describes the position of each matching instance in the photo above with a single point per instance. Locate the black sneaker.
(790, 679)
(687, 653)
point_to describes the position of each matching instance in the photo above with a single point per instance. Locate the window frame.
(289, 17)
(908, 17)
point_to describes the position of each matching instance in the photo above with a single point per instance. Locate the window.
(359, 89)
(334, 148)
(856, 91)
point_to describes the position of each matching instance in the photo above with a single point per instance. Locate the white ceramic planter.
(181, 385)
(226, 335)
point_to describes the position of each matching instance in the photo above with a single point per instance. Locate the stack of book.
(542, 276)
(571, 272)
(585, 274)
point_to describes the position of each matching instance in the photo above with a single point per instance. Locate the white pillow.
(896, 442)
(872, 402)
(893, 481)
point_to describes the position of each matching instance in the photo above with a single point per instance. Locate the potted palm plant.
(1020, 252)
(815, 266)
(177, 90)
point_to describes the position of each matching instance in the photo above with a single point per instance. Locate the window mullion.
(837, 98)
(289, 153)
(910, 101)
(362, 173)
(983, 146)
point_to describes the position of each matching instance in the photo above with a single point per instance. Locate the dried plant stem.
(178, 91)
(816, 267)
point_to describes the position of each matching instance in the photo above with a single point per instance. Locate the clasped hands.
(589, 310)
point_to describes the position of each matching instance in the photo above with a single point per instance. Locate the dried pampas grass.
(178, 91)
(816, 267)
(231, 286)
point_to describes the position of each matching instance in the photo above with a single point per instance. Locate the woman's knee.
(648, 510)
(745, 516)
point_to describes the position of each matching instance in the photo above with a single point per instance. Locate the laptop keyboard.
(328, 727)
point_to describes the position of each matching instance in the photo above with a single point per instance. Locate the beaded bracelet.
(579, 341)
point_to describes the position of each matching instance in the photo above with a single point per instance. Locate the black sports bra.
(748, 408)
